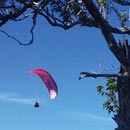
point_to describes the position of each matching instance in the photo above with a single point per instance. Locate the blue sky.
(64, 54)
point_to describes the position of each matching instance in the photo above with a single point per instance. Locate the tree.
(99, 14)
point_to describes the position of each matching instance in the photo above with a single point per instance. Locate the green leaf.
(99, 88)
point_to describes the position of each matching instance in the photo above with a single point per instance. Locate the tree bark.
(122, 118)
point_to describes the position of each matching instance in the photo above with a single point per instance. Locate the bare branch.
(32, 29)
(87, 74)
(11, 37)
(24, 17)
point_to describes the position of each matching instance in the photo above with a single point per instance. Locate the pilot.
(36, 104)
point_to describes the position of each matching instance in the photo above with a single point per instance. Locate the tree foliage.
(65, 14)
(110, 92)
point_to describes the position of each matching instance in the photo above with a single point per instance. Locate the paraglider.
(48, 80)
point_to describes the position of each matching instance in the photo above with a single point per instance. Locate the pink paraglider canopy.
(48, 80)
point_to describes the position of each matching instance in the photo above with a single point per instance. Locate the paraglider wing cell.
(48, 80)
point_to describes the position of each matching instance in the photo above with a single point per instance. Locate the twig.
(14, 38)
(24, 17)
(32, 29)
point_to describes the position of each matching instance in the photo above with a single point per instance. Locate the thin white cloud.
(12, 97)
(93, 117)
(88, 117)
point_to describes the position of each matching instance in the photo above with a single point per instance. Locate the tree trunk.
(122, 118)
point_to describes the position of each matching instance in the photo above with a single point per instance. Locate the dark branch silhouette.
(63, 13)
(93, 75)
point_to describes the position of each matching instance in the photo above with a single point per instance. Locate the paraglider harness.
(36, 104)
